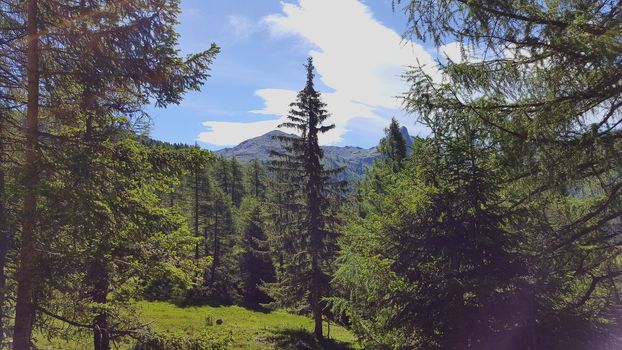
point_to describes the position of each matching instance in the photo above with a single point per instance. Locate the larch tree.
(115, 57)
(10, 153)
(220, 286)
(237, 183)
(544, 79)
(257, 180)
(9, 156)
(429, 262)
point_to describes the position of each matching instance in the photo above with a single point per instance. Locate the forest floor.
(245, 328)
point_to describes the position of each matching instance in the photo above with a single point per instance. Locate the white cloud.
(242, 26)
(231, 133)
(276, 101)
(354, 54)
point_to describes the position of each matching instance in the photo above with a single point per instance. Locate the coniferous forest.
(498, 229)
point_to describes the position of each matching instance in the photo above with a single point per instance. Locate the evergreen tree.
(301, 163)
(237, 183)
(393, 150)
(8, 156)
(393, 146)
(430, 265)
(255, 261)
(220, 282)
(125, 55)
(257, 180)
(223, 175)
(4, 234)
(547, 90)
(201, 186)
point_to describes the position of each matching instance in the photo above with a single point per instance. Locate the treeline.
(223, 202)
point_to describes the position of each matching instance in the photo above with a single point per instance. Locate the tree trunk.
(233, 182)
(314, 225)
(99, 278)
(316, 272)
(206, 272)
(4, 243)
(216, 255)
(316, 281)
(196, 211)
(24, 308)
(101, 335)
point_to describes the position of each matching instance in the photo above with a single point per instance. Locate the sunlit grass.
(247, 329)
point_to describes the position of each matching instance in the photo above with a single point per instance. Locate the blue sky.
(358, 53)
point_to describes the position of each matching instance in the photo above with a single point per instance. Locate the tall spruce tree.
(301, 163)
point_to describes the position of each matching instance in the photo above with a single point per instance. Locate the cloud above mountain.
(358, 58)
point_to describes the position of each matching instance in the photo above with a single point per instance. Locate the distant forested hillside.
(355, 160)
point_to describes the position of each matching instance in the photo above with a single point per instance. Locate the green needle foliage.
(514, 201)
(500, 230)
(308, 202)
(429, 263)
(393, 146)
(89, 67)
(256, 265)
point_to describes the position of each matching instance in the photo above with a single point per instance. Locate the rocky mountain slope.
(355, 159)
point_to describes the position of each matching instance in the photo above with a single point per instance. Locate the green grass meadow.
(246, 329)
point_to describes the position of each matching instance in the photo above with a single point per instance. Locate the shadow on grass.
(300, 339)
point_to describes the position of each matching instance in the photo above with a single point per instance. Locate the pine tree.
(301, 163)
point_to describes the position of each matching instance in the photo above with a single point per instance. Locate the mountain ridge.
(354, 159)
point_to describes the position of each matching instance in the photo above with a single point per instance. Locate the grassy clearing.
(247, 329)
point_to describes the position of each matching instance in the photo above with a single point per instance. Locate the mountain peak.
(355, 159)
(273, 133)
(406, 136)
